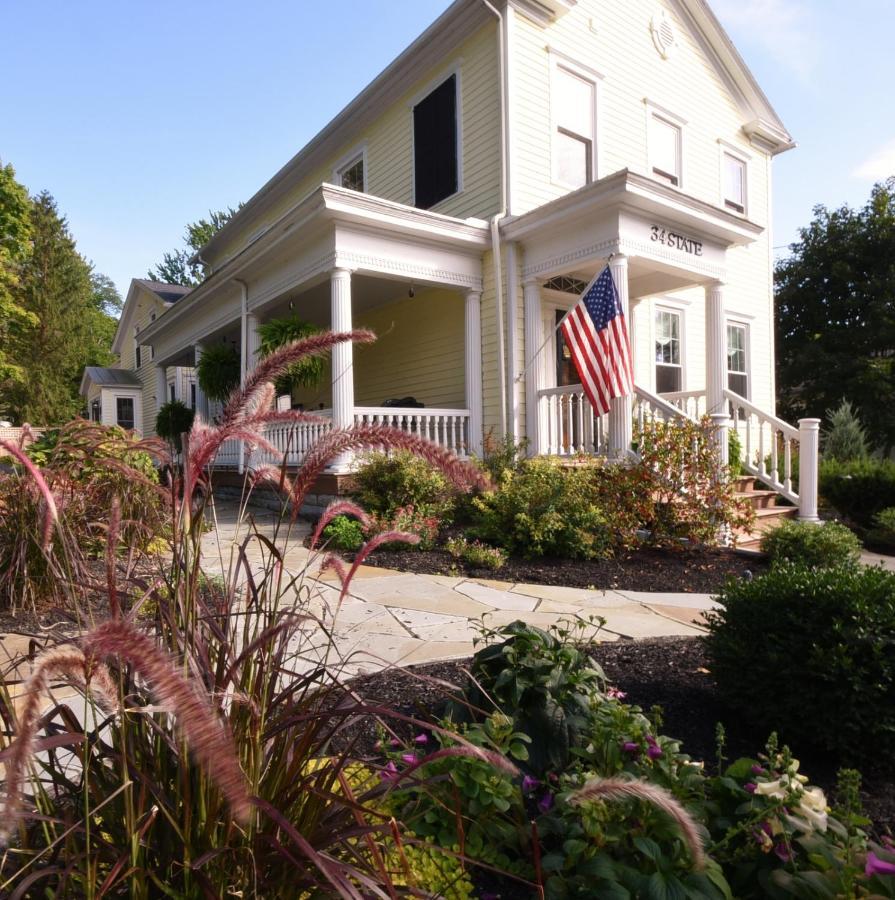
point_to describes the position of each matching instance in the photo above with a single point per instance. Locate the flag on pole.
(597, 335)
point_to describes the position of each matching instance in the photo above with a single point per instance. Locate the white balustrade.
(449, 428)
(692, 403)
(572, 426)
(649, 408)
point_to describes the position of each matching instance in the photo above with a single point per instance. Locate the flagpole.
(559, 324)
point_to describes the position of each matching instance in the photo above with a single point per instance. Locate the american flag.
(597, 336)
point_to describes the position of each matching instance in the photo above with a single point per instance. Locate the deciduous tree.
(180, 266)
(835, 299)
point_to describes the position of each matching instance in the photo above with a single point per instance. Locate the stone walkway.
(391, 617)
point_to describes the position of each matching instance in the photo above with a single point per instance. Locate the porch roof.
(108, 377)
(327, 206)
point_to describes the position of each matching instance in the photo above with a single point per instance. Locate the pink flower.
(390, 772)
(654, 751)
(421, 739)
(614, 693)
(783, 852)
(751, 787)
(631, 747)
(409, 758)
(877, 866)
(529, 784)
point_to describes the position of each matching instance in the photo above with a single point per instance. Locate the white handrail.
(778, 424)
(657, 404)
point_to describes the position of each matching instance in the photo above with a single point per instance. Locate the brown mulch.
(669, 672)
(702, 571)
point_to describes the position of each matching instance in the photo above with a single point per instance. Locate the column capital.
(473, 294)
(531, 281)
(716, 286)
(340, 272)
(619, 260)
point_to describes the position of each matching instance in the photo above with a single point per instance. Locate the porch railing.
(692, 403)
(447, 427)
(569, 425)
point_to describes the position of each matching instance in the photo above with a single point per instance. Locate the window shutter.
(435, 145)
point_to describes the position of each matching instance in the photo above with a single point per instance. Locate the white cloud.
(879, 166)
(785, 29)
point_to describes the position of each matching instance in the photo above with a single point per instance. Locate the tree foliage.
(835, 319)
(15, 231)
(181, 266)
(61, 318)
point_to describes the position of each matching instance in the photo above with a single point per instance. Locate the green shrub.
(307, 372)
(344, 534)
(545, 509)
(846, 439)
(734, 453)
(809, 651)
(173, 420)
(218, 371)
(500, 456)
(858, 490)
(883, 532)
(388, 482)
(537, 700)
(476, 554)
(806, 544)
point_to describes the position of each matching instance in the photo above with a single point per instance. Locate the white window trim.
(726, 148)
(741, 322)
(660, 112)
(559, 60)
(667, 304)
(138, 406)
(357, 154)
(455, 69)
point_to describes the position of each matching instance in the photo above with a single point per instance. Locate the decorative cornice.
(555, 264)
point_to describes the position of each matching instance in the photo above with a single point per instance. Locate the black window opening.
(124, 412)
(193, 395)
(435, 163)
(138, 355)
(95, 412)
(172, 390)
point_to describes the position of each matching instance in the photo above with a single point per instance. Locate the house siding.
(389, 144)
(147, 304)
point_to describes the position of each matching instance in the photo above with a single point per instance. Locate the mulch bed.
(669, 672)
(702, 571)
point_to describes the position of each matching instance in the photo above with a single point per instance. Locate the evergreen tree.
(56, 290)
(180, 266)
(845, 440)
(15, 231)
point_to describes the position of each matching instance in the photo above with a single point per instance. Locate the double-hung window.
(737, 359)
(733, 173)
(669, 368)
(574, 121)
(665, 148)
(124, 412)
(436, 162)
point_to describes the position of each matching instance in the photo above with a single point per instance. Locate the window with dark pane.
(138, 356)
(352, 176)
(669, 372)
(737, 364)
(124, 412)
(566, 372)
(193, 395)
(435, 163)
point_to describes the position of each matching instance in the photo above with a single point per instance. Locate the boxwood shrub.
(810, 652)
(807, 544)
(858, 490)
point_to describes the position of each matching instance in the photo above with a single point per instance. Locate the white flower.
(813, 807)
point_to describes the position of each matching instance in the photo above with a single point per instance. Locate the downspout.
(496, 219)
(243, 354)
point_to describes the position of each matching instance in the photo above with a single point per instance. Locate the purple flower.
(421, 739)
(751, 787)
(409, 758)
(529, 784)
(783, 852)
(877, 866)
(390, 772)
(758, 770)
(394, 742)
(545, 804)
(654, 751)
(631, 747)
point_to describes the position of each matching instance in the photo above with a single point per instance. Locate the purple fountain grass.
(338, 508)
(205, 734)
(71, 664)
(51, 512)
(112, 536)
(271, 474)
(625, 789)
(384, 537)
(277, 364)
(463, 475)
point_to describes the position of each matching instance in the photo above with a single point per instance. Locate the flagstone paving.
(390, 617)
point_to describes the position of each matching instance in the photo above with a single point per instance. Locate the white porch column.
(474, 369)
(621, 411)
(531, 296)
(201, 399)
(342, 360)
(809, 443)
(251, 343)
(715, 349)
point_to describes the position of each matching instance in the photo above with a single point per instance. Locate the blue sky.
(140, 117)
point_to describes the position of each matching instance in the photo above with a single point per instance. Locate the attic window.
(567, 284)
(351, 175)
(436, 170)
